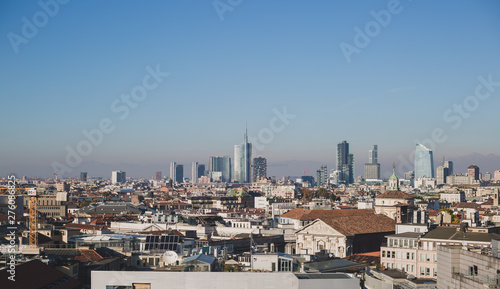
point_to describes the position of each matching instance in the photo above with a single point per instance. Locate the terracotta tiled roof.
(88, 256)
(85, 227)
(301, 214)
(395, 195)
(466, 205)
(360, 223)
(371, 258)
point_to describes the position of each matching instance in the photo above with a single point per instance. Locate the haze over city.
(413, 77)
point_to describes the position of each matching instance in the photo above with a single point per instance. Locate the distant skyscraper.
(83, 176)
(259, 168)
(172, 171)
(345, 163)
(449, 165)
(424, 162)
(222, 165)
(242, 161)
(373, 155)
(372, 168)
(194, 172)
(322, 176)
(158, 176)
(201, 170)
(441, 174)
(118, 177)
(179, 174)
(473, 171)
(176, 173)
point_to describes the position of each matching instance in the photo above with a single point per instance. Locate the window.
(383, 264)
(408, 255)
(425, 245)
(428, 258)
(398, 255)
(435, 272)
(393, 254)
(427, 271)
(383, 254)
(413, 256)
(413, 268)
(435, 258)
(422, 257)
(422, 270)
(430, 245)
(406, 243)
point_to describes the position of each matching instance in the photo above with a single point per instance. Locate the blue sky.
(262, 55)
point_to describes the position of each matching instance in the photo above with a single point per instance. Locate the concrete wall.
(219, 280)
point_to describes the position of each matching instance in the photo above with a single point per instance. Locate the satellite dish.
(169, 257)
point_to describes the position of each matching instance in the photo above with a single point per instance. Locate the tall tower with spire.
(242, 160)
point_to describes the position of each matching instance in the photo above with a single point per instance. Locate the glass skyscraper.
(259, 168)
(372, 168)
(222, 165)
(424, 162)
(242, 161)
(345, 163)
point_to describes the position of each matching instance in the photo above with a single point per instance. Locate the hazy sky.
(346, 70)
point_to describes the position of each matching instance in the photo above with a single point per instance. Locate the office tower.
(441, 174)
(449, 165)
(424, 162)
(176, 173)
(158, 176)
(242, 159)
(373, 155)
(322, 176)
(345, 163)
(179, 174)
(194, 172)
(221, 165)
(83, 176)
(201, 170)
(172, 171)
(118, 177)
(259, 168)
(473, 171)
(487, 176)
(409, 175)
(372, 168)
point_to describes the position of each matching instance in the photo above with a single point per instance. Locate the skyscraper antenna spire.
(246, 138)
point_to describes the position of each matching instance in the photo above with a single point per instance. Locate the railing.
(479, 278)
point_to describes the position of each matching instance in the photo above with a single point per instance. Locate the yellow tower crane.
(33, 223)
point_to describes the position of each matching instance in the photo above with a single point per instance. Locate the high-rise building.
(372, 168)
(373, 155)
(259, 168)
(487, 176)
(345, 163)
(194, 172)
(201, 170)
(221, 165)
(473, 171)
(409, 175)
(322, 176)
(158, 176)
(242, 161)
(83, 176)
(424, 162)
(172, 171)
(179, 174)
(449, 165)
(118, 177)
(176, 172)
(197, 171)
(441, 174)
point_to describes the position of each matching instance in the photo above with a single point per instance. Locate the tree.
(105, 194)
(83, 204)
(323, 193)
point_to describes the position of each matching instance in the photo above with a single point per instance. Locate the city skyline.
(68, 87)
